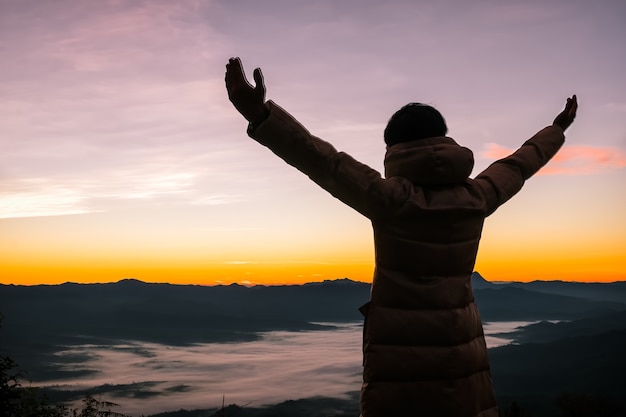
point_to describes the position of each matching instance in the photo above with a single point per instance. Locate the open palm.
(249, 100)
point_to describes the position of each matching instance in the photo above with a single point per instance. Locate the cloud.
(113, 101)
(66, 195)
(149, 186)
(572, 160)
(112, 37)
(57, 201)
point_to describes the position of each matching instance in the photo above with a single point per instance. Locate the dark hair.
(414, 121)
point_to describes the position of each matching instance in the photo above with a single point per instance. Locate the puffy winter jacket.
(424, 351)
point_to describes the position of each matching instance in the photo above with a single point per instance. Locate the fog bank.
(280, 366)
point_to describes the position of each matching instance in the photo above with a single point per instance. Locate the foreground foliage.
(19, 401)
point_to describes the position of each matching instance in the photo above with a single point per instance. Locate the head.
(414, 121)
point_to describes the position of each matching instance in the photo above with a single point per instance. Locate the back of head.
(414, 121)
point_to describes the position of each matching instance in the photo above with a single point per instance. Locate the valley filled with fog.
(280, 366)
(155, 348)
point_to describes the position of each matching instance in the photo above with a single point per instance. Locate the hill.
(542, 300)
(595, 291)
(537, 374)
(585, 347)
(183, 314)
(546, 331)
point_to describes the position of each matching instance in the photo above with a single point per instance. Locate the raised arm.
(352, 182)
(505, 177)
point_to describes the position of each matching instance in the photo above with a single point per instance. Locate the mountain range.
(576, 345)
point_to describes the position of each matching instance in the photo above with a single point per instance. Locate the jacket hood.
(431, 161)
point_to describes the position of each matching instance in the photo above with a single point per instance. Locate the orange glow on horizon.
(268, 273)
(34, 252)
(245, 273)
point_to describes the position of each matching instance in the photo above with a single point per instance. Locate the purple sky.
(116, 110)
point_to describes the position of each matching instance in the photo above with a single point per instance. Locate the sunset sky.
(121, 156)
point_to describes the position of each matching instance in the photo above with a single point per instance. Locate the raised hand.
(567, 116)
(249, 100)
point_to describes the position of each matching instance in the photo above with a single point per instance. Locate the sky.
(121, 156)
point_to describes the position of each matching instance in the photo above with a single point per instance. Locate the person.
(424, 351)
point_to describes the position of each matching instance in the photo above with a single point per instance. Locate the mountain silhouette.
(584, 347)
(39, 319)
(536, 373)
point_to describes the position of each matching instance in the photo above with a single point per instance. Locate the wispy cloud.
(572, 160)
(111, 102)
(66, 195)
(149, 186)
(52, 202)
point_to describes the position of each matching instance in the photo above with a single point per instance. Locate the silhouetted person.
(423, 345)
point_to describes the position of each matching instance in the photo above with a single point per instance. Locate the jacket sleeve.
(505, 177)
(352, 182)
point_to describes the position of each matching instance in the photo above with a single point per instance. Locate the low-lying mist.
(148, 378)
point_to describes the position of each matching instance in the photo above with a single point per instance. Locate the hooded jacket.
(424, 351)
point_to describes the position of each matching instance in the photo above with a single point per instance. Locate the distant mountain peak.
(339, 281)
(130, 281)
(477, 277)
(479, 282)
(335, 282)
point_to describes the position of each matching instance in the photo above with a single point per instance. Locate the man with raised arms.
(424, 351)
